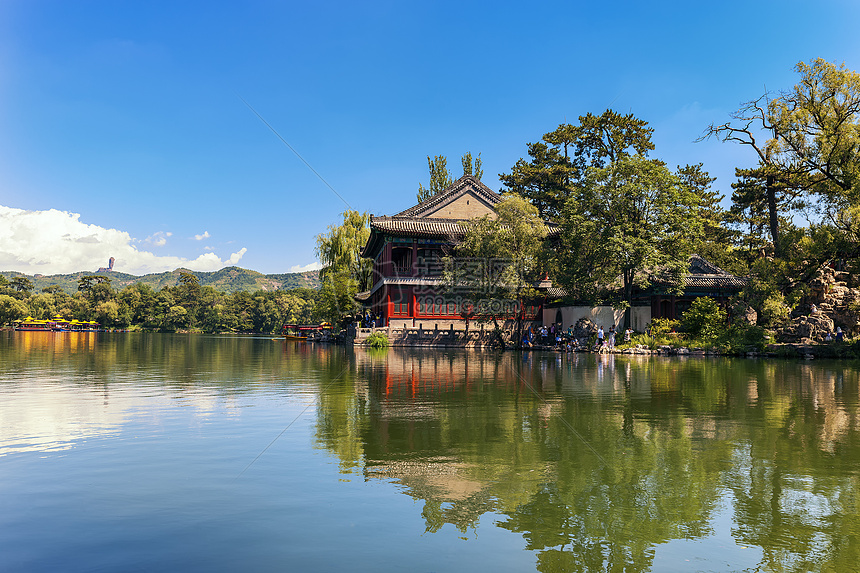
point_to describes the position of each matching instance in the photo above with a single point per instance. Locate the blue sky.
(123, 131)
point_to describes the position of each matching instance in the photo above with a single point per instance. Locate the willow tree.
(344, 272)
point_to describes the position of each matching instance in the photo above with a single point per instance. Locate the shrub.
(704, 319)
(774, 311)
(662, 326)
(645, 340)
(377, 340)
(744, 338)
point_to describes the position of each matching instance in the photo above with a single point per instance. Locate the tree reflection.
(597, 461)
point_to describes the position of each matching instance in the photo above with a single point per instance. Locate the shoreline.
(795, 350)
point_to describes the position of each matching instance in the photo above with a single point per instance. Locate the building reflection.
(598, 460)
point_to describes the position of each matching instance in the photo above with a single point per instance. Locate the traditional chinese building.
(407, 251)
(703, 279)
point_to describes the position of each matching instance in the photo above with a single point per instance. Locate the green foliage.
(96, 288)
(42, 306)
(339, 249)
(706, 327)
(809, 160)
(440, 178)
(629, 219)
(816, 127)
(298, 306)
(470, 169)
(11, 309)
(185, 307)
(507, 247)
(663, 326)
(345, 272)
(336, 297)
(774, 312)
(716, 242)
(377, 340)
(22, 285)
(227, 280)
(560, 162)
(704, 319)
(740, 338)
(107, 313)
(645, 340)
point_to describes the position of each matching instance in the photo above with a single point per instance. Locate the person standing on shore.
(600, 336)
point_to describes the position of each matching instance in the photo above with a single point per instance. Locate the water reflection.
(70, 387)
(593, 462)
(598, 461)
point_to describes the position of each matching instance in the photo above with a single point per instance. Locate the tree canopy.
(440, 176)
(561, 160)
(807, 146)
(501, 257)
(344, 273)
(630, 219)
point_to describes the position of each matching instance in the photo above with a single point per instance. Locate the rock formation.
(109, 268)
(583, 330)
(830, 303)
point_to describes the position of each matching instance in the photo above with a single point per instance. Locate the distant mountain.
(228, 279)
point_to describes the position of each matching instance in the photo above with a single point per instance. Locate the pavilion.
(409, 289)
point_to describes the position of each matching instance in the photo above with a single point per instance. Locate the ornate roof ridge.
(452, 192)
(706, 265)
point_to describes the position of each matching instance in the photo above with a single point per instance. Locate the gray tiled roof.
(408, 226)
(704, 274)
(415, 222)
(412, 227)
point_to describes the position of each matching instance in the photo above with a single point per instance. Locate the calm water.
(136, 452)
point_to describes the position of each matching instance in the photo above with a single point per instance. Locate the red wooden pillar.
(387, 262)
(389, 306)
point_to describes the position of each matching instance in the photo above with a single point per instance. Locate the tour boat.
(31, 324)
(305, 331)
(56, 324)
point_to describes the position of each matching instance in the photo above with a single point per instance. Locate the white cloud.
(205, 235)
(54, 242)
(310, 267)
(158, 239)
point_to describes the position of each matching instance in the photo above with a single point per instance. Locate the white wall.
(599, 315)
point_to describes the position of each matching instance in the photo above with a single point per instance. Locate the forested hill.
(228, 280)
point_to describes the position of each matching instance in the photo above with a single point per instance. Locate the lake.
(158, 452)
